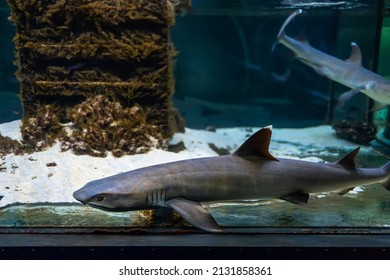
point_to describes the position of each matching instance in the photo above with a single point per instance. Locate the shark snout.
(80, 196)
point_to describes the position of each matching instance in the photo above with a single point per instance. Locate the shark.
(349, 72)
(250, 173)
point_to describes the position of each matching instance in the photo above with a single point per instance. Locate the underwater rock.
(219, 150)
(357, 132)
(211, 128)
(176, 148)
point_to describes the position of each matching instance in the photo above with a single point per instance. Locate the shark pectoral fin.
(194, 213)
(346, 96)
(1, 197)
(297, 198)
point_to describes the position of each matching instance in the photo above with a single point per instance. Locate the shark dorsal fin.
(348, 161)
(356, 55)
(257, 145)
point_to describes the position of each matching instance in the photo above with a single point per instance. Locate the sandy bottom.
(52, 175)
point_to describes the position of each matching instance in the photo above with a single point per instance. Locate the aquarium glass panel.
(231, 76)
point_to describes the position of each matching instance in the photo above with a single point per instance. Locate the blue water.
(225, 60)
(10, 105)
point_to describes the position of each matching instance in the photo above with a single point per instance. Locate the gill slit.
(157, 197)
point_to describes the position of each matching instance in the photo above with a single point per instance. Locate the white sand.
(28, 179)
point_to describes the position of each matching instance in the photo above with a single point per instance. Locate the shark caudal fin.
(386, 170)
(281, 33)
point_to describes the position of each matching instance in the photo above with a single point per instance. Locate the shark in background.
(349, 72)
(250, 173)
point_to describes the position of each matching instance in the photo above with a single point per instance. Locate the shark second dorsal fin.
(356, 55)
(348, 161)
(257, 145)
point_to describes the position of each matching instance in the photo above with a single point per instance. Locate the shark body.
(349, 72)
(249, 173)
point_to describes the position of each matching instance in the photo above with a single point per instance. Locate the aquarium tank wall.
(195, 80)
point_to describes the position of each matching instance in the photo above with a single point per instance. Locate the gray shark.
(348, 72)
(249, 173)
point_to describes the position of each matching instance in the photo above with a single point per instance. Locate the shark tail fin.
(281, 33)
(386, 170)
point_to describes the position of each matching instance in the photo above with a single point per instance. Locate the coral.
(123, 46)
(102, 124)
(357, 132)
(43, 129)
(11, 146)
(66, 13)
(105, 65)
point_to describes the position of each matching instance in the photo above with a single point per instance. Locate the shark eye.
(99, 198)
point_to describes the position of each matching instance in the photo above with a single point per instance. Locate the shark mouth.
(104, 208)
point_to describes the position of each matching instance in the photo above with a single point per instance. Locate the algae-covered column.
(96, 74)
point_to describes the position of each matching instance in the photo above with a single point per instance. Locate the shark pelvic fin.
(297, 198)
(344, 191)
(320, 70)
(346, 96)
(348, 161)
(257, 145)
(194, 213)
(386, 170)
(378, 106)
(356, 55)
